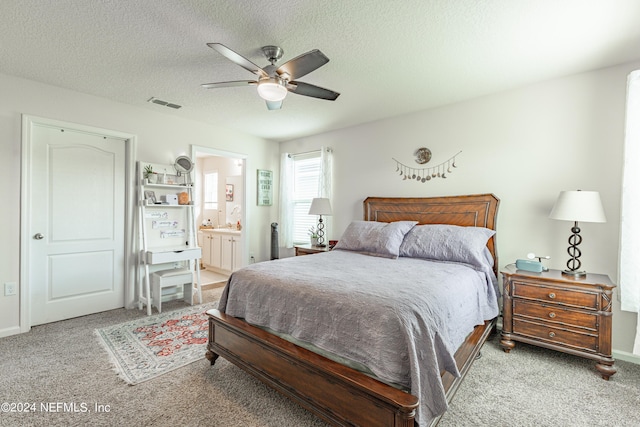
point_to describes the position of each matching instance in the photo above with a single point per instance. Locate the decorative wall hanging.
(164, 224)
(265, 187)
(173, 233)
(423, 155)
(156, 215)
(229, 192)
(426, 174)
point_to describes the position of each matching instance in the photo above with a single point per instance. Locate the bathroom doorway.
(220, 202)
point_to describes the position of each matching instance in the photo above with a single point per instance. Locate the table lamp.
(320, 206)
(575, 206)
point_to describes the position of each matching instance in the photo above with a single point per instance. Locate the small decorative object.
(150, 197)
(577, 206)
(183, 166)
(265, 187)
(170, 199)
(423, 155)
(320, 206)
(150, 175)
(425, 174)
(183, 198)
(313, 236)
(229, 192)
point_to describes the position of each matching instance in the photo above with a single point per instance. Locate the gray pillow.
(375, 238)
(448, 243)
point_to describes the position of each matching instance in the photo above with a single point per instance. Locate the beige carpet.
(62, 365)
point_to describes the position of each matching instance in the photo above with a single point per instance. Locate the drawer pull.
(552, 295)
(552, 334)
(552, 315)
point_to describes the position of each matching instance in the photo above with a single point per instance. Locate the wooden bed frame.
(334, 392)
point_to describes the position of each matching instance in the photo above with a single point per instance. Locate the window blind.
(306, 180)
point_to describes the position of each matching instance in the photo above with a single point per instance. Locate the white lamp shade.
(270, 90)
(320, 206)
(583, 206)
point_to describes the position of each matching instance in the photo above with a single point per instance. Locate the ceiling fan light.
(271, 90)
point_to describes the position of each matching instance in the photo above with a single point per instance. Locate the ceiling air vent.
(165, 103)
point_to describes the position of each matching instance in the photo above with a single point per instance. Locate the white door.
(77, 219)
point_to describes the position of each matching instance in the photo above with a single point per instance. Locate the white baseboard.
(626, 356)
(14, 330)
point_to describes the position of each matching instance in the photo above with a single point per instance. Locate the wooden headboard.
(478, 210)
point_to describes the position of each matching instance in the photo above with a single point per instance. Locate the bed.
(345, 394)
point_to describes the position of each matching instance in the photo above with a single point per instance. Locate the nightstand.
(561, 313)
(308, 249)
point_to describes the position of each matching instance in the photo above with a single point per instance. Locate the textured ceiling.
(387, 58)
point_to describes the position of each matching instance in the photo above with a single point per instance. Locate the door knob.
(38, 236)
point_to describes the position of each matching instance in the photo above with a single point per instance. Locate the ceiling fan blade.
(274, 105)
(303, 64)
(306, 89)
(238, 59)
(229, 84)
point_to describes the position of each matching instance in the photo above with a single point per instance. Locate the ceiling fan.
(275, 82)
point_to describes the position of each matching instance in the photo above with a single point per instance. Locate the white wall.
(160, 139)
(524, 145)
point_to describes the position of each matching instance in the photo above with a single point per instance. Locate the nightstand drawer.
(548, 333)
(555, 314)
(549, 294)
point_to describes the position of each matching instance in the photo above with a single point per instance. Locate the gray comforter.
(402, 318)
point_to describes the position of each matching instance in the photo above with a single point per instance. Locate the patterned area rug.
(148, 347)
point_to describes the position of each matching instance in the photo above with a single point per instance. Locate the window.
(306, 179)
(630, 210)
(302, 178)
(211, 190)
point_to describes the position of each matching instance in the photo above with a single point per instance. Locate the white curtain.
(325, 183)
(285, 230)
(629, 277)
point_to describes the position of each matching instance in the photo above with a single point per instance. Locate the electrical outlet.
(10, 288)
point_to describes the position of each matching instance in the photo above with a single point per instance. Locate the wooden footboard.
(336, 393)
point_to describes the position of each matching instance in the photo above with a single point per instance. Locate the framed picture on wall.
(265, 187)
(229, 192)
